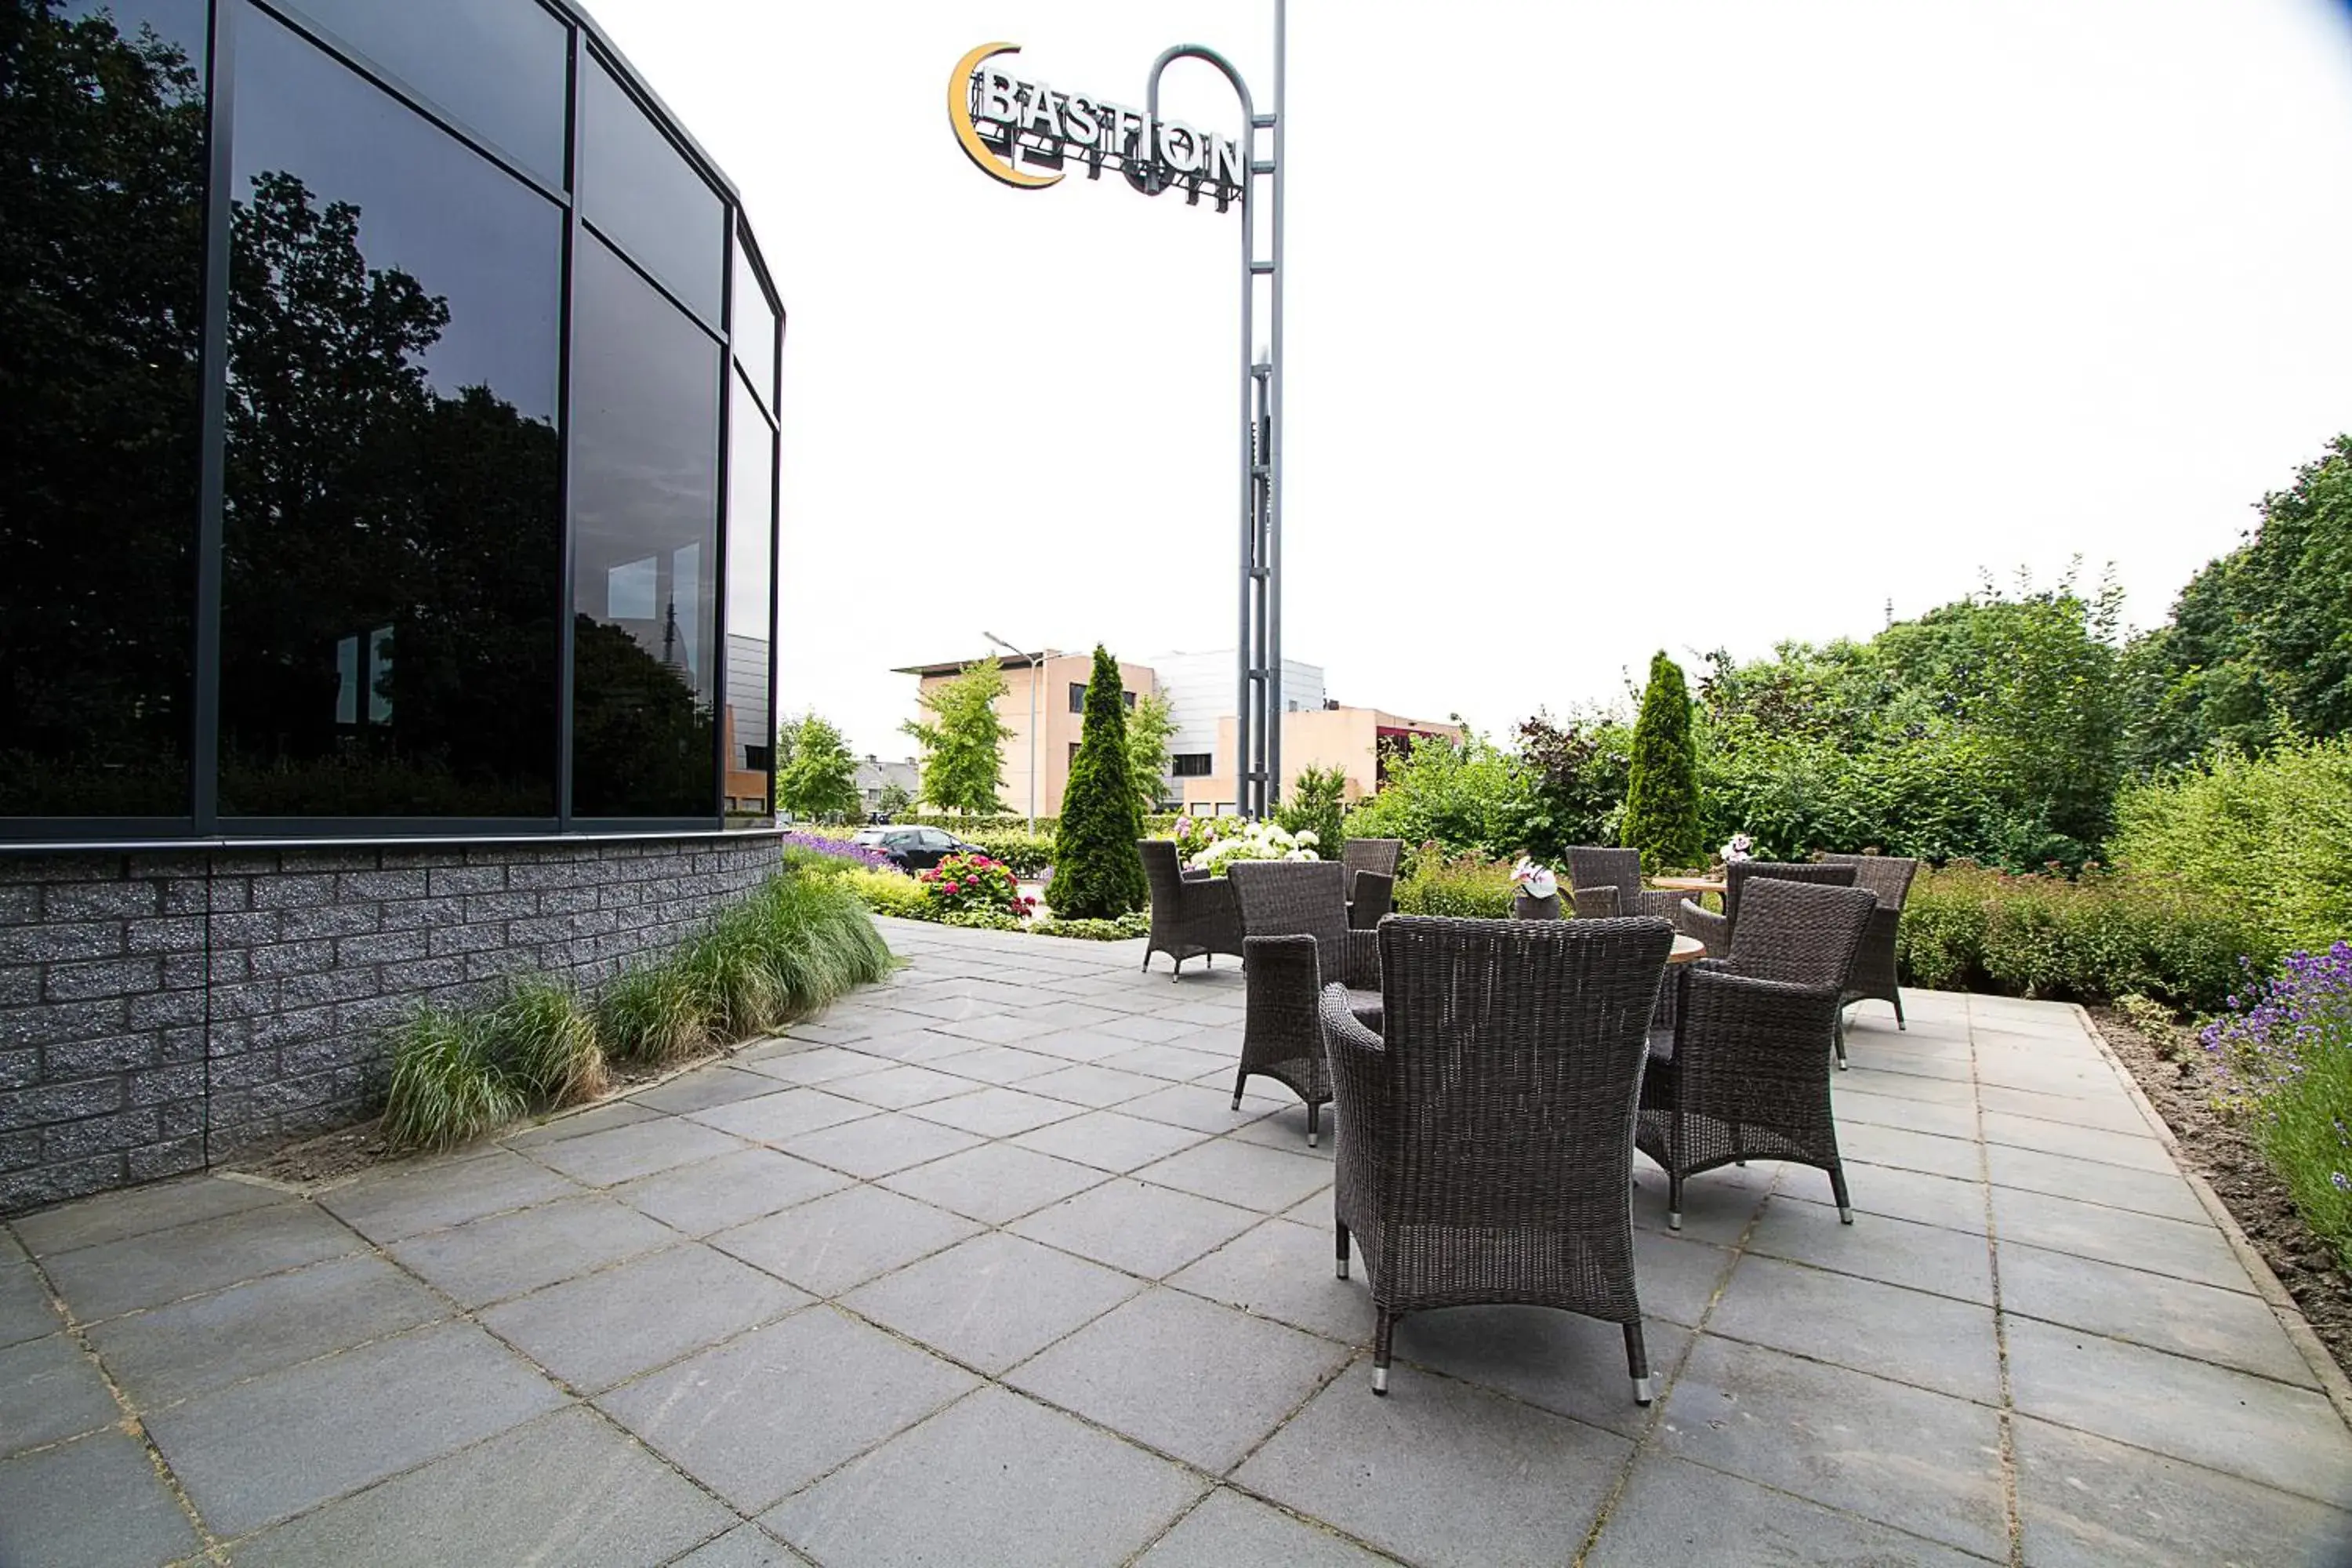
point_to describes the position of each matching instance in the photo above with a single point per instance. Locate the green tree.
(1098, 872)
(894, 799)
(1662, 813)
(1148, 729)
(964, 741)
(1470, 799)
(1578, 776)
(821, 780)
(1318, 803)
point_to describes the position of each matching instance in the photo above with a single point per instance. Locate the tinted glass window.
(392, 538)
(1078, 697)
(101, 252)
(755, 330)
(645, 418)
(750, 638)
(496, 66)
(638, 189)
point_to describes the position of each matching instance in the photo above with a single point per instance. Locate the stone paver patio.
(981, 1268)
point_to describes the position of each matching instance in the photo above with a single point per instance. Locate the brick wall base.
(164, 1012)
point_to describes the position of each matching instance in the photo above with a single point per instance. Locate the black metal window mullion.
(722, 727)
(567, 592)
(203, 762)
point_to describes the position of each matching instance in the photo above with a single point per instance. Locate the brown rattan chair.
(1372, 866)
(1295, 938)
(1746, 1073)
(1487, 1127)
(1190, 916)
(1596, 903)
(1592, 867)
(1889, 877)
(1738, 874)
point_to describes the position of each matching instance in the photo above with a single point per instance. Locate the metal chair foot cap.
(1840, 1063)
(1845, 1216)
(1237, 1103)
(1379, 1379)
(1641, 1391)
(1310, 1140)
(1343, 1269)
(1673, 1220)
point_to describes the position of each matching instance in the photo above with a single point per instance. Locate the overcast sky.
(1611, 327)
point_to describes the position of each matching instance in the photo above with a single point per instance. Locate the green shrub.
(1028, 854)
(2101, 936)
(1661, 812)
(1318, 803)
(448, 1084)
(657, 1013)
(547, 1042)
(2286, 1046)
(2273, 834)
(1097, 871)
(890, 893)
(1466, 887)
(1471, 799)
(1121, 930)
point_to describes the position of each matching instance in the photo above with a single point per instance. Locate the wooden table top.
(1687, 949)
(1689, 884)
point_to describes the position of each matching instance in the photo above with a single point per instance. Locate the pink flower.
(953, 888)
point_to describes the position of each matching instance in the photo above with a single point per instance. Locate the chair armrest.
(1704, 924)
(1363, 961)
(1343, 1032)
(1372, 895)
(1280, 968)
(1746, 1012)
(1648, 901)
(1210, 894)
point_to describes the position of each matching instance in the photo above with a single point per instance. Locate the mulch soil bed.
(2178, 1080)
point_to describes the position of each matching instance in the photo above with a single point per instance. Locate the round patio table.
(1689, 884)
(1687, 949)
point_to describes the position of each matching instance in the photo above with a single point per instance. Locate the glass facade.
(369, 473)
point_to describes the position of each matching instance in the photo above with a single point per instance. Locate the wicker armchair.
(1486, 1153)
(1889, 877)
(1190, 916)
(1596, 903)
(1746, 1073)
(1591, 867)
(1296, 937)
(1738, 874)
(1372, 866)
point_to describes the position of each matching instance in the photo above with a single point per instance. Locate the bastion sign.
(1012, 128)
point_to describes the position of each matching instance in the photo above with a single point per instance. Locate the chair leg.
(1897, 1000)
(1673, 1200)
(1314, 1114)
(1837, 1189)
(1240, 1078)
(1146, 961)
(1381, 1332)
(1837, 1038)
(1343, 1252)
(1637, 1363)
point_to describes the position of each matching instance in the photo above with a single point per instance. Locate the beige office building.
(1358, 741)
(1059, 681)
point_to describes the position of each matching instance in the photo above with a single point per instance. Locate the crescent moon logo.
(968, 134)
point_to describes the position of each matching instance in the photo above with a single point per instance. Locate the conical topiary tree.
(1661, 818)
(1098, 872)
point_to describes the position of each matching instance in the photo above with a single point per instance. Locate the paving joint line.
(2011, 1506)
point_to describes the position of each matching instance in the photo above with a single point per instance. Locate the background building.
(1358, 741)
(1061, 680)
(875, 776)
(390, 450)
(1201, 690)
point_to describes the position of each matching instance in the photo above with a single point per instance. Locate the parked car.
(914, 849)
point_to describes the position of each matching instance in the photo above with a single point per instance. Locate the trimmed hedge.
(1465, 887)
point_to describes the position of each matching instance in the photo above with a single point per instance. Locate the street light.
(1036, 676)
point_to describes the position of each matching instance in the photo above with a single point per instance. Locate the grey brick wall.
(160, 1013)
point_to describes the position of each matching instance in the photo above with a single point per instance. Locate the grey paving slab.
(1109, 1139)
(946, 1492)
(1233, 1171)
(2135, 1150)
(1440, 1472)
(1561, 1361)
(566, 1488)
(2226, 1327)
(1083, 1083)
(894, 1088)
(1946, 1121)
(999, 1065)
(116, 1217)
(989, 1027)
(1922, 1462)
(1229, 1529)
(1211, 1109)
(1068, 1015)
(1284, 1270)
(49, 1389)
(1961, 1159)
(993, 1300)
(1076, 1045)
(603, 1159)
(601, 1328)
(704, 1088)
(764, 1414)
(1143, 1028)
(1179, 1064)
(1957, 1072)
(25, 1310)
(997, 1111)
(1151, 1231)
(403, 1201)
(281, 1445)
(1165, 1368)
(1877, 1247)
(2225, 1420)
(11, 1249)
(995, 1182)
(579, 1123)
(176, 1352)
(1285, 1127)
(490, 1259)
(2117, 1187)
(2160, 1246)
(880, 1145)
(1909, 1087)
(1677, 1276)
(790, 1062)
(745, 1546)
(2087, 1502)
(780, 1117)
(830, 1244)
(1898, 1195)
(1717, 1206)
(1674, 1512)
(2116, 1113)
(97, 1503)
(155, 1266)
(1908, 1336)
(713, 1194)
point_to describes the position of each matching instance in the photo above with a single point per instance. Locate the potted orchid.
(1740, 847)
(1534, 892)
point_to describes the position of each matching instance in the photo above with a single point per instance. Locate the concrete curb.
(2332, 1381)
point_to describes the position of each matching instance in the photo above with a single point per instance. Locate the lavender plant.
(2284, 1048)
(834, 849)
